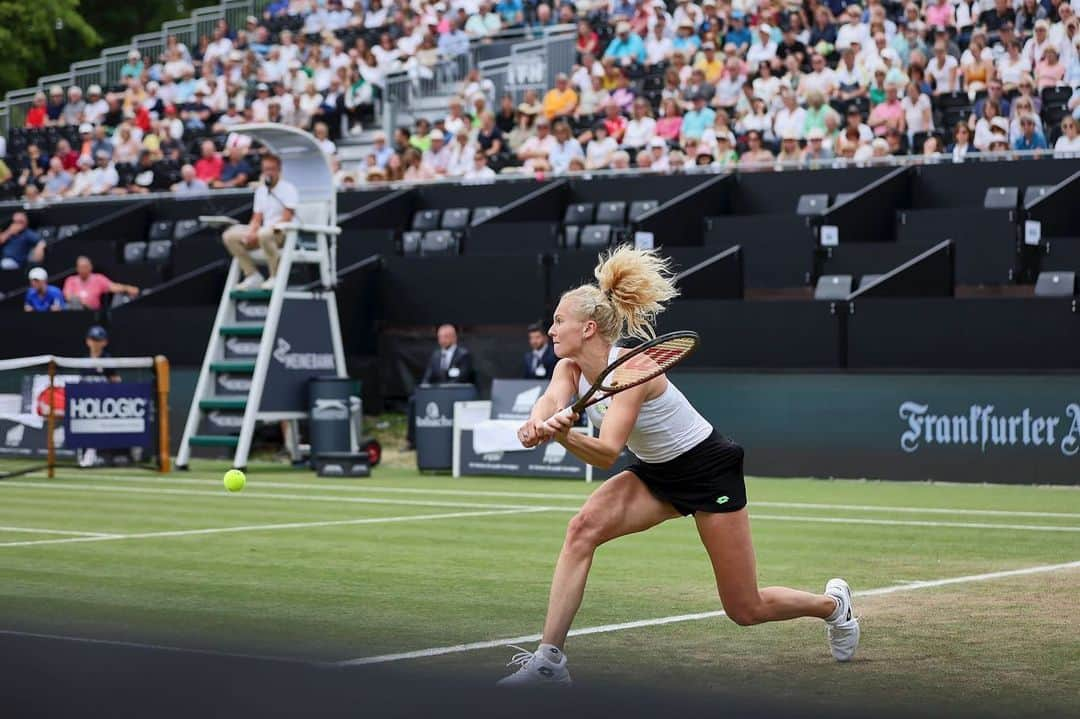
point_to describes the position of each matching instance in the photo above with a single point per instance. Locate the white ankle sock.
(836, 612)
(551, 652)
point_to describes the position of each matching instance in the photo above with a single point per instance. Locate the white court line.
(35, 530)
(266, 527)
(659, 621)
(81, 487)
(580, 497)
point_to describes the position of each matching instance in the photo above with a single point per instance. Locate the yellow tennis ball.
(235, 480)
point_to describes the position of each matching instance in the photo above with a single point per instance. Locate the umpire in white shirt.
(275, 204)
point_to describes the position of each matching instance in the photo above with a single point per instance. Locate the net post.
(161, 387)
(50, 420)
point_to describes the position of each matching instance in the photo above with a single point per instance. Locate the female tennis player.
(684, 467)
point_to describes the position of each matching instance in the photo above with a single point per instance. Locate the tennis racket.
(636, 367)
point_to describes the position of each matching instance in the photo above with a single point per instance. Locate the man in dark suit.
(450, 363)
(540, 359)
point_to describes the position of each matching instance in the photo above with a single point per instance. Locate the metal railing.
(534, 61)
(105, 70)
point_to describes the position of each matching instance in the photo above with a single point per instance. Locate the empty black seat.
(1034, 192)
(595, 236)
(640, 207)
(833, 287)
(48, 233)
(410, 242)
(425, 220)
(65, 231)
(812, 204)
(438, 242)
(1001, 198)
(161, 230)
(185, 228)
(482, 213)
(611, 213)
(842, 197)
(1056, 95)
(579, 214)
(158, 251)
(134, 252)
(867, 280)
(1055, 284)
(455, 218)
(570, 236)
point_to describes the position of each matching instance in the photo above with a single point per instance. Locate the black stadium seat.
(812, 204)
(595, 236)
(1001, 198)
(410, 242)
(161, 230)
(611, 213)
(867, 280)
(832, 287)
(571, 234)
(579, 214)
(640, 207)
(426, 220)
(438, 242)
(1034, 192)
(65, 231)
(1055, 284)
(158, 251)
(134, 252)
(455, 218)
(185, 228)
(48, 233)
(482, 213)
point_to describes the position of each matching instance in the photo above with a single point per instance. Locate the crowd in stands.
(660, 85)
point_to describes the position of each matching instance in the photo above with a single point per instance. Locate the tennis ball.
(235, 480)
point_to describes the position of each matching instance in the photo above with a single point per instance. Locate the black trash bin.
(330, 429)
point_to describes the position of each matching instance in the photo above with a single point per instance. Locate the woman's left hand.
(561, 423)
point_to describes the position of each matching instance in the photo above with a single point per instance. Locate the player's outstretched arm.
(558, 394)
(604, 450)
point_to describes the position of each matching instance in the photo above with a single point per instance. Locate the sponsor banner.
(303, 349)
(957, 428)
(550, 460)
(514, 398)
(108, 414)
(22, 436)
(241, 347)
(435, 423)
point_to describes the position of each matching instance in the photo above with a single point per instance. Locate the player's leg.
(726, 536)
(623, 505)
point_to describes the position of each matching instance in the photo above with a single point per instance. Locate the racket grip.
(568, 412)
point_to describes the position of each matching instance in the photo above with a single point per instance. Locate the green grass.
(366, 586)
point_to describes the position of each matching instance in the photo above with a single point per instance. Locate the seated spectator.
(789, 148)
(537, 149)
(600, 148)
(103, 178)
(437, 156)
(414, 166)
(322, 138)
(561, 100)
(1030, 138)
(887, 114)
(790, 117)
(190, 183)
(84, 289)
(669, 126)
(57, 180)
(37, 115)
(488, 136)
(82, 178)
(126, 146)
(657, 152)
(962, 145)
(479, 169)
(815, 149)
(54, 108)
(32, 167)
(756, 153)
(41, 296)
(626, 47)
(150, 176)
(697, 119)
(620, 160)
(236, 171)
(460, 153)
(1068, 145)
(74, 108)
(564, 149)
(210, 163)
(641, 128)
(20, 245)
(96, 106)
(1050, 71)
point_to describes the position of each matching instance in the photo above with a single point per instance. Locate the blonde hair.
(631, 288)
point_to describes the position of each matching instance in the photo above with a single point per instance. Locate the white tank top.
(667, 426)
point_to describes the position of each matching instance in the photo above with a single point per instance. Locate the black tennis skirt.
(706, 478)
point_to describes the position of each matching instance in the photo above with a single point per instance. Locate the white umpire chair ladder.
(310, 239)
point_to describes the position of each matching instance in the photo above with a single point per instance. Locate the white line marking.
(581, 497)
(152, 647)
(659, 621)
(268, 527)
(34, 530)
(914, 523)
(81, 487)
(223, 495)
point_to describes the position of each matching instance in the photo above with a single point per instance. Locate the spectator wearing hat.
(20, 245)
(657, 152)
(460, 152)
(685, 41)
(133, 67)
(74, 108)
(710, 64)
(381, 149)
(85, 288)
(41, 296)
(738, 33)
(765, 49)
(561, 100)
(437, 156)
(697, 119)
(1030, 138)
(658, 45)
(626, 47)
(1037, 44)
(815, 150)
(96, 105)
(789, 148)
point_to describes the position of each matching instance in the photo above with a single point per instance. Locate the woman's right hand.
(532, 433)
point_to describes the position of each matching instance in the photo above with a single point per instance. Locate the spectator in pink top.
(940, 15)
(83, 290)
(889, 114)
(1050, 71)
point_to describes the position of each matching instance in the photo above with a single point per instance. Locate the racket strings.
(650, 362)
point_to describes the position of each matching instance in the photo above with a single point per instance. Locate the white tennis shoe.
(544, 667)
(250, 282)
(843, 631)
